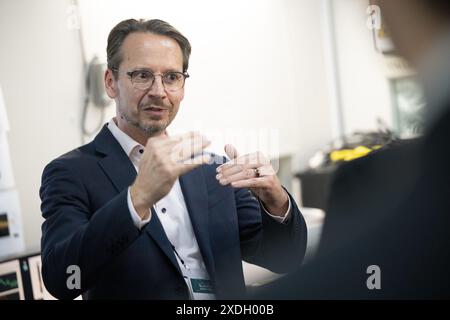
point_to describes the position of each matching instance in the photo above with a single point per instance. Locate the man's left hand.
(255, 172)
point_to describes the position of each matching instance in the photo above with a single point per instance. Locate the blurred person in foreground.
(386, 233)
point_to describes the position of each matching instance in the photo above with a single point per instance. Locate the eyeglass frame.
(130, 74)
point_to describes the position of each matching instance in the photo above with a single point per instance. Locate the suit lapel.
(195, 194)
(116, 164)
(119, 169)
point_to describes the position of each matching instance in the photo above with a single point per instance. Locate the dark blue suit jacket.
(88, 224)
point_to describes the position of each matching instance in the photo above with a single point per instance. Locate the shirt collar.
(127, 143)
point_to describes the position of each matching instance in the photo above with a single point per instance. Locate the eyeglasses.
(144, 79)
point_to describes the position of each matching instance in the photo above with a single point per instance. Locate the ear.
(110, 84)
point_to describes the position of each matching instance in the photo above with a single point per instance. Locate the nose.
(157, 89)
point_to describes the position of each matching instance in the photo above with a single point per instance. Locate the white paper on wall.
(37, 284)
(6, 174)
(4, 124)
(11, 234)
(11, 286)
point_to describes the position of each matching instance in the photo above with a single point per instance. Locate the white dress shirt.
(171, 211)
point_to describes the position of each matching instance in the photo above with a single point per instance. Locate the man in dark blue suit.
(386, 234)
(139, 214)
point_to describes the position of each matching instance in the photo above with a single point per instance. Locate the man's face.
(150, 111)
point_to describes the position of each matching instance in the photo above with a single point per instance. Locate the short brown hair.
(156, 26)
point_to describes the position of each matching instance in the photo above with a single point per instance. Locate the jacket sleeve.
(74, 235)
(279, 247)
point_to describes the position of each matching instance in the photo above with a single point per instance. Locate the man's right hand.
(164, 160)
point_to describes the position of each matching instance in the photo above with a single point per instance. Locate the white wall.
(278, 43)
(40, 74)
(364, 85)
(266, 55)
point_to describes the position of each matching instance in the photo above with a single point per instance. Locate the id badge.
(200, 289)
(201, 286)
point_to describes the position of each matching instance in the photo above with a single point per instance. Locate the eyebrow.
(150, 70)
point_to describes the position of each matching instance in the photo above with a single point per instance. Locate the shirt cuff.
(138, 222)
(279, 219)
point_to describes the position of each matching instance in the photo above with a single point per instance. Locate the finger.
(163, 142)
(243, 174)
(266, 170)
(186, 136)
(180, 138)
(230, 171)
(190, 164)
(231, 151)
(262, 182)
(188, 148)
(252, 160)
(226, 177)
(182, 144)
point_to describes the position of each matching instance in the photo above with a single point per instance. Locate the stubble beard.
(148, 129)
